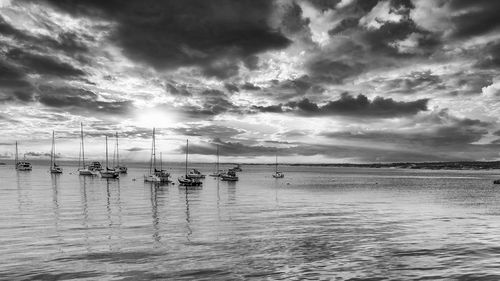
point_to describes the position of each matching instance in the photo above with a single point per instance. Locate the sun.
(151, 117)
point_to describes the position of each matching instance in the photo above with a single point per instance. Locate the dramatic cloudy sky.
(312, 80)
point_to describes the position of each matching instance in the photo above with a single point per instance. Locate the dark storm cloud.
(14, 85)
(414, 82)
(334, 71)
(178, 90)
(348, 105)
(442, 130)
(490, 56)
(36, 154)
(231, 88)
(473, 18)
(250, 87)
(168, 34)
(229, 149)
(211, 131)
(135, 149)
(42, 64)
(212, 103)
(69, 43)
(79, 99)
(361, 154)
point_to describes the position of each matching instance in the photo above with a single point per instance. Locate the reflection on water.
(318, 223)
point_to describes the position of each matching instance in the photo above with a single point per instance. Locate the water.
(317, 223)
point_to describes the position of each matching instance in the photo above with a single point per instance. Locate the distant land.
(451, 165)
(458, 165)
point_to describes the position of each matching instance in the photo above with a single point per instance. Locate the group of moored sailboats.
(92, 169)
(190, 178)
(95, 168)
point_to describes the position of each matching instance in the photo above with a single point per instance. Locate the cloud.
(472, 18)
(209, 131)
(14, 84)
(135, 149)
(42, 64)
(348, 105)
(212, 35)
(178, 90)
(80, 99)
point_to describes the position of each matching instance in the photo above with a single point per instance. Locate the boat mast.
(17, 157)
(117, 151)
(83, 148)
(154, 150)
(161, 162)
(217, 159)
(276, 166)
(52, 152)
(187, 151)
(107, 153)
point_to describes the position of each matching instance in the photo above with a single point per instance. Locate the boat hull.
(151, 178)
(110, 174)
(56, 171)
(86, 172)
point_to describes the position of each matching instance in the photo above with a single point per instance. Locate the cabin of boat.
(184, 181)
(278, 175)
(95, 166)
(163, 175)
(237, 168)
(23, 166)
(121, 169)
(230, 175)
(109, 173)
(55, 169)
(195, 174)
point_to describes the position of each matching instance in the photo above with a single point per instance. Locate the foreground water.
(316, 223)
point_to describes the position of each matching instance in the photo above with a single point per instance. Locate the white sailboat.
(84, 170)
(54, 168)
(186, 180)
(151, 176)
(162, 174)
(120, 168)
(217, 172)
(22, 165)
(107, 172)
(277, 174)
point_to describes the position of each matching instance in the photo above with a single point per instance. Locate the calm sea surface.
(316, 223)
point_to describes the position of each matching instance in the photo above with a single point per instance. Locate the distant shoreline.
(449, 165)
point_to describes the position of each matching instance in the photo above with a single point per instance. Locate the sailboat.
(277, 174)
(54, 168)
(107, 172)
(84, 170)
(230, 175)
(217, 171)
(22, 165)
(186, 180)
(120, 168)
(162, 174)
(152, 177)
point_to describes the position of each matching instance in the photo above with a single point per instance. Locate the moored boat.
(277, 174)
(107, 172)
(152, 176)
(122, 169)
(22, 165)
(230, 175)
(54, 168)
(84, 170)
(185, 180)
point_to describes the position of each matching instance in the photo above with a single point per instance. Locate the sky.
(313, 81)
